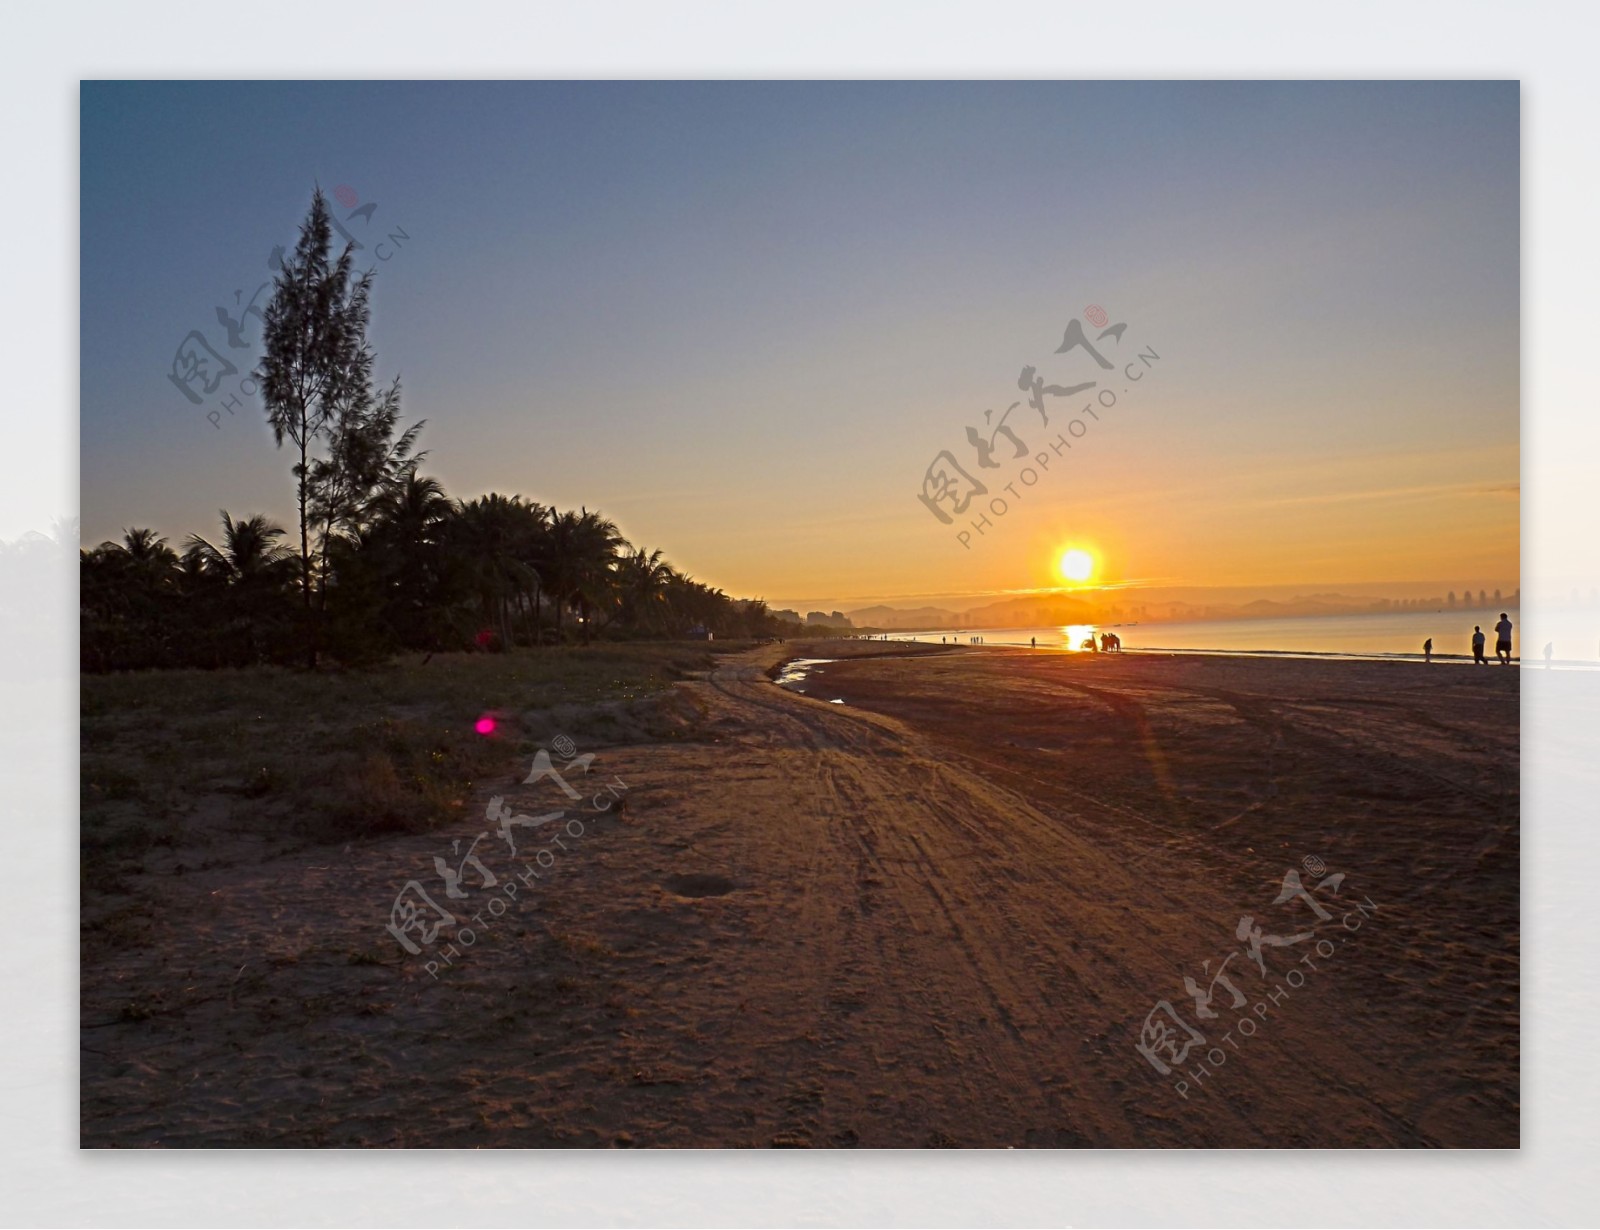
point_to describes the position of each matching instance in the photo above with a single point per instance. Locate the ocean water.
(1396, 635)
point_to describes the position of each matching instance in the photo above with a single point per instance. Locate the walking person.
(1502, 640)
(1427, 650)
(1477, 646)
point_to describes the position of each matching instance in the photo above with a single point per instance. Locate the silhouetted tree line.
(386, 560)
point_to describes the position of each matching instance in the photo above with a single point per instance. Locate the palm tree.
(142, 567)
(193, 574)
(251, 574)
(149, 553)
(249, 551)
(561, 549)
(692, 603)
(754, 618)
(402, 545)
(125, 601)
(582, 551)
(491, 534)
(642, 582)
(411, 510)
(532, 548)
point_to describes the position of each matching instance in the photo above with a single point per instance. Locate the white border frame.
(1549, 46)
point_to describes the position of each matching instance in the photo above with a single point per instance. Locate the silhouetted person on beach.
(1477, 646)
(1033, 642)
(1502, 640)
(1427, 650)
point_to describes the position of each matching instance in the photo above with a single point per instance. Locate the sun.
(1076, 564)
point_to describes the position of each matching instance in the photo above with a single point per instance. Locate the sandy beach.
(940, 913)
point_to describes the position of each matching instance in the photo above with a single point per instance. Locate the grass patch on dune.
(458, 683)
(174, 761)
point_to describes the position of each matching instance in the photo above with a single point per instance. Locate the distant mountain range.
(908, 617)
(1010, 612)
(1044, 610)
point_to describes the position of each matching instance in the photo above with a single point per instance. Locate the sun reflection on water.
(1074, 636)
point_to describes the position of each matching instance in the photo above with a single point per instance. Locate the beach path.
(937, 914)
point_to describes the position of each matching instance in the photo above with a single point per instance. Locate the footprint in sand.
(699, 885)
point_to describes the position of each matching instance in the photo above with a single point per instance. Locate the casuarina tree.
(314, 337)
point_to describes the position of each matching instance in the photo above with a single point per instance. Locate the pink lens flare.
(485, 725)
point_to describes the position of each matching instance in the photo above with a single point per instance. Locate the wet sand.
(938, 914)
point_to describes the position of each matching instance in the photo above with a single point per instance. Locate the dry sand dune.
(937, 914)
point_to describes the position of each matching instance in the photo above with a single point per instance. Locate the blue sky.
(741, 318)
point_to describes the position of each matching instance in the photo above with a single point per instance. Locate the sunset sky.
(743, 318)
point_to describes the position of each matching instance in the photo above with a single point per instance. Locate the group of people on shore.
(1502, 643)
(1109, 642)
